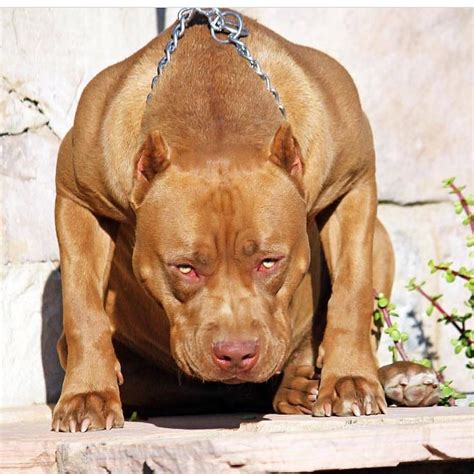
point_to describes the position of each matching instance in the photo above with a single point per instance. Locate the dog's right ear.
(152, 158)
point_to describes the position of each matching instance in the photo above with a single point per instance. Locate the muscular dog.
(191, 234)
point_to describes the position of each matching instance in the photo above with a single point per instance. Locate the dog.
(206, 234)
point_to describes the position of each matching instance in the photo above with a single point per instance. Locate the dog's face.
(223, 249)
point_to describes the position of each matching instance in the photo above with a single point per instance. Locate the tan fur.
(210, 174)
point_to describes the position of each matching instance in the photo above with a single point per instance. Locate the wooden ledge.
(224, 443)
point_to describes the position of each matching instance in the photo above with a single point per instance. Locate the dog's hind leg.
(404, 382)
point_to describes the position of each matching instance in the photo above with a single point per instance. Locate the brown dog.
(190, 230)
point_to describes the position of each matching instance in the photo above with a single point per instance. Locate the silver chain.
(229, 23)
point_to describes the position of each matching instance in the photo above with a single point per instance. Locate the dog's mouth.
(234, 381)
(272, 364)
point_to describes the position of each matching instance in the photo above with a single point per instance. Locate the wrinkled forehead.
(247, 206)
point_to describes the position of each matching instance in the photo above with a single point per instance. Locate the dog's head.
(221, 243)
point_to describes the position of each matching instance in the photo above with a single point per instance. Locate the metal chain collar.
(229, 23)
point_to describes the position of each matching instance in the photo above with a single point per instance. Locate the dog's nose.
(235, 356)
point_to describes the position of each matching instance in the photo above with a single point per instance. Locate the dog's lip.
(233, 381)
(244, 378)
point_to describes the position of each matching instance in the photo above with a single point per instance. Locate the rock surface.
(224, 443)
(46, 61)
(413, 70)
(420, 233)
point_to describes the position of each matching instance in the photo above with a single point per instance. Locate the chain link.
(229, 23)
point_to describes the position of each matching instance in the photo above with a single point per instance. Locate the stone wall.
(48, 56)
(413, 69)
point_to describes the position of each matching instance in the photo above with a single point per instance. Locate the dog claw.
(428, 381)
(368, 408)
(355, 409)
(109, 422)
(72, 426)
(56, 428)
(327, 409)
(85, 424)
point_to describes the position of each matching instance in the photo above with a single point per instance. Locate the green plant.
(464, 343)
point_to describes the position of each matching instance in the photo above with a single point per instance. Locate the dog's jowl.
(209, 235)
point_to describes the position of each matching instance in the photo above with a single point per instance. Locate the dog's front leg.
(90, 396)
(298, 387)
(349, 382)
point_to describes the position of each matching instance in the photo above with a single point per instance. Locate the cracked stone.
(17, 113)
(27, 210)
(49, 58)
(418, 234)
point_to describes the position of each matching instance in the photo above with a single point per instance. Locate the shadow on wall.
(51, 329)
(423, 341)
(51, 310)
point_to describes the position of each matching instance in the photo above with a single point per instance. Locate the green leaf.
(442, 369)
(448, 181)
(248, 416)
(468, 219)
(426, 363)
(447, 391)
(404, 336)
(458, 349)
(423, 362)
(382, 302)
(395, 335)
(411, 284)
(429, 310)
(449, 276)
(134, 416)
(432, 266)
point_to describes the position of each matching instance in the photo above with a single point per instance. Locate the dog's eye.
(268, 263)
(185, 269)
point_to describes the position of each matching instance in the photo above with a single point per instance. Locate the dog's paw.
(297, 391)
(347, 396)
(409, 384)
(97, 410)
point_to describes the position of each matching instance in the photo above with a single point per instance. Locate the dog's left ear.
(152, 158)
(285, 151)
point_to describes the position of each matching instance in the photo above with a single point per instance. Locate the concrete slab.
(248, 443)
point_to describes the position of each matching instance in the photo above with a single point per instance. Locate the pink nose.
(235, 356)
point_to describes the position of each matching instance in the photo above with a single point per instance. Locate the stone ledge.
(224, 443)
